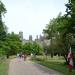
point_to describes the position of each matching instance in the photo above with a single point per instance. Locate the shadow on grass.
(58, 66)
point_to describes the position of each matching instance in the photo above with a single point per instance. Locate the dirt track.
(20, 67)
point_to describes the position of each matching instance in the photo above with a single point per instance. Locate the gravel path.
(20, 67)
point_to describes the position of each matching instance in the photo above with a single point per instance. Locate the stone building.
(21, 35)
(39, 39)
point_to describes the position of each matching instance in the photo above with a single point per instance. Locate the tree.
(2, 26)
(56, 30)
(65, 26)
(37, 49)
(53, 31)
(33, 47)
(13, 44)
(2, 29)
(71, 23)
(27, 48)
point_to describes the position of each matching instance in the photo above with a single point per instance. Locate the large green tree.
(13, 44)
(37, 49)
(53, 31)
(2, 26)
(33, 47)
(71, 23)
(27, 48)
(56, 31)
(65, 26)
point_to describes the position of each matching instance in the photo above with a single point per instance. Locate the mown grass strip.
(55, 64)
(4, 65)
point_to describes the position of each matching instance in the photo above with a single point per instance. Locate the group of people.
(22, 56)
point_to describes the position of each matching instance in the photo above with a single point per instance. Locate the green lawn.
(56, 64)
(4, 67)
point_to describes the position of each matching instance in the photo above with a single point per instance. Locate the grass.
(56, 64)
(4, 64)
(12, 57)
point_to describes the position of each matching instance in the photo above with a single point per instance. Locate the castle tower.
(30, 37)
(21, 35)
(41, 38)
(37, 37)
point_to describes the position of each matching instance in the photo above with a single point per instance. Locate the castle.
(41, 40)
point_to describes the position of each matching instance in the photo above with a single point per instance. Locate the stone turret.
(21, 35)
(30, 37)
(37, 37)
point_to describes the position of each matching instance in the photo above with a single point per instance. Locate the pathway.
(20, 67)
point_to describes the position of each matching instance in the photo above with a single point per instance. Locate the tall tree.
(57, 28)
(34, 48)
(13, 44)
(65, 25)
(2, 26)
(71, 24)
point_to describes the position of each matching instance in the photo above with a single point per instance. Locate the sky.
(31, 16)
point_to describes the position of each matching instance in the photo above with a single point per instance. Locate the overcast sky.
(31, 16)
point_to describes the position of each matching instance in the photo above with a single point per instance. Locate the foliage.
(27, 48)
(2, 29)
(37, 49)
(2, 26)
(32, 48)
(2, 9)
(13, 44)
(53, 31)
(61, 31)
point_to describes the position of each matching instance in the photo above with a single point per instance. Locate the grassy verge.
(4, 64)
(56, 65)
(12, 57)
